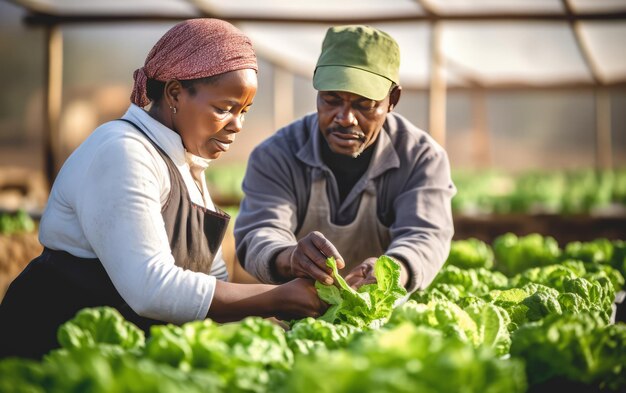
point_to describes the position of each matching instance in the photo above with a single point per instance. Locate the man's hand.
(364, 273)
(307, 259)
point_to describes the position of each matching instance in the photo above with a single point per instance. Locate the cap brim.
(351, 80)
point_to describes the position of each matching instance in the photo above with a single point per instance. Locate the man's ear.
(172, 91)
(394, 97)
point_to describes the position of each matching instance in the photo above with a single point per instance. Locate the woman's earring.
(173, 108)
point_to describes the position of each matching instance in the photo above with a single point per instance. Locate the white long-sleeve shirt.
(106, 204)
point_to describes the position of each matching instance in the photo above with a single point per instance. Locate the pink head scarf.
(195, 48)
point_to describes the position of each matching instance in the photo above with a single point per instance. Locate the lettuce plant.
(371, 304)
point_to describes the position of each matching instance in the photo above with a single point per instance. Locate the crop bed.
(16, 250)
(521, 314)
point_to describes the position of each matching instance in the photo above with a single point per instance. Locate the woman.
(130, 223)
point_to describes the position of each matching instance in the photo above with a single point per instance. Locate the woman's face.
(208, 119)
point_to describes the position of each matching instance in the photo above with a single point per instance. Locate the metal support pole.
(604, 150)
(437, 107)
(53, 96)
(604, 153)
(480, 130)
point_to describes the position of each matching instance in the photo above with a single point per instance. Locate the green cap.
(358, 59)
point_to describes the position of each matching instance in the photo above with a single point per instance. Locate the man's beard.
(358, 152)
(351, 131)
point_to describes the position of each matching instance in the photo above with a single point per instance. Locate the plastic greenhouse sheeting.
(484, 42)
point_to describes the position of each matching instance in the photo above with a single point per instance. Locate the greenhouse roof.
(485, 43)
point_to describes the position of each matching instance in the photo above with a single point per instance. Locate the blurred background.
(527, 96)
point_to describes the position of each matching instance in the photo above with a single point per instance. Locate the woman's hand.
(307, 259)
(293, 300)
(298, 299)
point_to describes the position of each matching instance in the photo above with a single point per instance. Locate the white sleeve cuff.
(203, 310)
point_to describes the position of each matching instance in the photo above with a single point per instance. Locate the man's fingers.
(352, 277)
(327, 248)
(368, 280)
(310, 253)
(357, 274)
(358, 282)
(307, 268)
(361, 275)
(352, 281)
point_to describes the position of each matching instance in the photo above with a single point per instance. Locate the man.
(353, 181)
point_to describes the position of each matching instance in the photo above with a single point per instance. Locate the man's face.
(349, 122)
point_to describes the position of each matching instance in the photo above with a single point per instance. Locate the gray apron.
(365, 237)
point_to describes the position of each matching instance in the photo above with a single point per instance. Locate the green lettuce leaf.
(100, 325)
(574, 347)
(370, 305)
